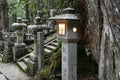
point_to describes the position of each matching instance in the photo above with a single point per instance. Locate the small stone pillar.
(40, 43)
(19, 46)
(33, 62)
(51, 24)
(28, 35)
(24, 20)
(52, 12)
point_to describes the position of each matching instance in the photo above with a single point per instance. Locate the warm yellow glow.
(74, 29)
(61, 27)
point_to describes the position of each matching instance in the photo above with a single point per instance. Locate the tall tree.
(3, 16)
(27, 9)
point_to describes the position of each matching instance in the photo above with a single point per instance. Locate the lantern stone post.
(19, 46)
(69, 33)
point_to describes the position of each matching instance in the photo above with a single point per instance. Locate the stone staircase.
(49, 47)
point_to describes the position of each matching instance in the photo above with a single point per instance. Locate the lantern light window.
(61, 28)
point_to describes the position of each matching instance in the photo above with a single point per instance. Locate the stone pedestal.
(18, 50)
(69, 61)
(19, 47)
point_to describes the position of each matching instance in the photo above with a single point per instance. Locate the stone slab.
(51, 47)
(23, 66)
(2, 77)
(47, 50)
(13, 72)
(55, 43)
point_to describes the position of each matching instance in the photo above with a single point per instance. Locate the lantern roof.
(68, 15)
(19, 23)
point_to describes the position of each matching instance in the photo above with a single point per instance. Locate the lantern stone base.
(19, 50)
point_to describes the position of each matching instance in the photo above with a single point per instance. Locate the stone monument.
(19, 46)
(33, 62)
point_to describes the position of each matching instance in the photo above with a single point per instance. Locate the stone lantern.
(19, 46)
(34, 56)
(37, 27)
(68, 30)
(68, 25)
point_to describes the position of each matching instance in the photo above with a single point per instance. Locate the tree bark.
(27, 10)
(3, 16)
(103, 36)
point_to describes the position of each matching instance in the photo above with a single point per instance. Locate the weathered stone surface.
(69, 61)
(32, 67)
(2, 77)
(7, 55)
(22, 65)
(40, 45)
(12, 72)
(19, 46)
(33, 57)
(19, 50)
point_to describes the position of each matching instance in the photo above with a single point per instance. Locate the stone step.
(23, 61)
(47, 50)
(51, 41)
(51, 47)
(54, 43)
(22, 65)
